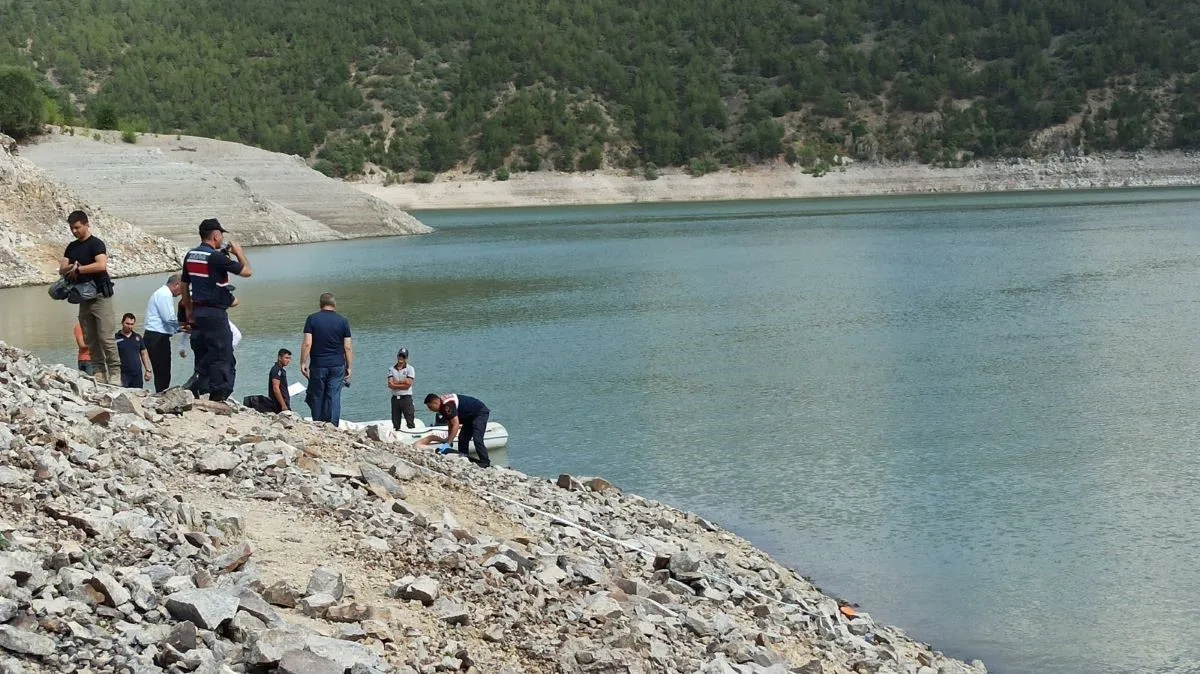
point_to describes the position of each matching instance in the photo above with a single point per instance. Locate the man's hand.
(304, 370)
(146, 375)
(183, 353)
(73, 272)
(347, 377)
(236, 249)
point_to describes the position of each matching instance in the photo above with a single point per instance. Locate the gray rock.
(233, 558)
(111, 592)
(142, 592)
(206, 608)
(218, 461)
(8, 609)
(280, 594)
(696, 623)
(423, 589)
(268, 647)
(182, 637)
(402, 471)
(305, 662)
(602, 606)
(315, 605)
(686, 562)
(346, 653)
(325, 580)
(127, 403)
(250, 602)
(451, 612)
(172, 401)
(380, 482)
(26, 643)
(11, 476)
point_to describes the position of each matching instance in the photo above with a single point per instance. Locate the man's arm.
(79, 340)
(185, 300)
(101, 264)
(64, 266)
(348, 349)
(305, 347)
(399, 384)
(145, 361)
(243, 261)
(452, 428)
(277, 394)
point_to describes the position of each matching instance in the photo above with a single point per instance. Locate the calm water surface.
(973, 415)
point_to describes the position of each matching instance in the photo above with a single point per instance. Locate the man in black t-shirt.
(86, 259)
(277, 382)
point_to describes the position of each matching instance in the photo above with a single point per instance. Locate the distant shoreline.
(466, 190)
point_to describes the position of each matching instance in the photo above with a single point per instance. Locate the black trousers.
(472, 430)
(158, 347)
(212, 342)
(402, 409)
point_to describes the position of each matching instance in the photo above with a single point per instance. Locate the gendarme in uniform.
(205, 274)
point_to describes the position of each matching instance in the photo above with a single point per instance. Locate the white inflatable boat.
(495, 436)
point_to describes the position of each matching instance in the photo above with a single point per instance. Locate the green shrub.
(592, 160)
(502, 174)
(22, 104)
(423, 177)
(650, 171)
(699, 166)
(129, 135)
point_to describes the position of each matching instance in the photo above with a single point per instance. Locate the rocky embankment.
(167, 184)
(160, 533)
(33, 227)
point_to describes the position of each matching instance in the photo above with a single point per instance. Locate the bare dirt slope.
(168, 184)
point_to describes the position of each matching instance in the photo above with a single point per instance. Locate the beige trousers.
(99, 331)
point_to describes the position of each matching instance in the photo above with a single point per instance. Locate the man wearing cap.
(400, 383)
(466, 418)
(205, 297)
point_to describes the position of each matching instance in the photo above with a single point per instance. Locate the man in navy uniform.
(466, 418)
(206, 296)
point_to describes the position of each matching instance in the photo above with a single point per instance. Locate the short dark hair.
(77, 216)
(128, 315)
(327, 300)
(432, 397)
(282, 353)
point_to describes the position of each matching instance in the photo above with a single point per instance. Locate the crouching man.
(466, 418)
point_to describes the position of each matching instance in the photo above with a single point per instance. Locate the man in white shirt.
(400, 382)
(159, 326)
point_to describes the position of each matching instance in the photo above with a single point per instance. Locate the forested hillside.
(529, 84)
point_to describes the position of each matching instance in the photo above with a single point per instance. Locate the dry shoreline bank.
(464, 190)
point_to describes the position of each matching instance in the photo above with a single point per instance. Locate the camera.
(226, 247)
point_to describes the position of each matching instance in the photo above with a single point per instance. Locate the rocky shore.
(33, 228)
(161, 533)
(780, 181)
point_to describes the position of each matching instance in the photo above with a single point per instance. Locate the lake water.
(974, 415)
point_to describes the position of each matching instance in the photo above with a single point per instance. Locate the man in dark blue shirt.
(131, 349)
(466, 418)
(205, 296)
(326, 359)
(277, 382)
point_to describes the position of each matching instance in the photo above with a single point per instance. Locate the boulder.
(206, 608)
(379, 482)
(325, 580)
(306, 662)
(26, 643)
(217, 462)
